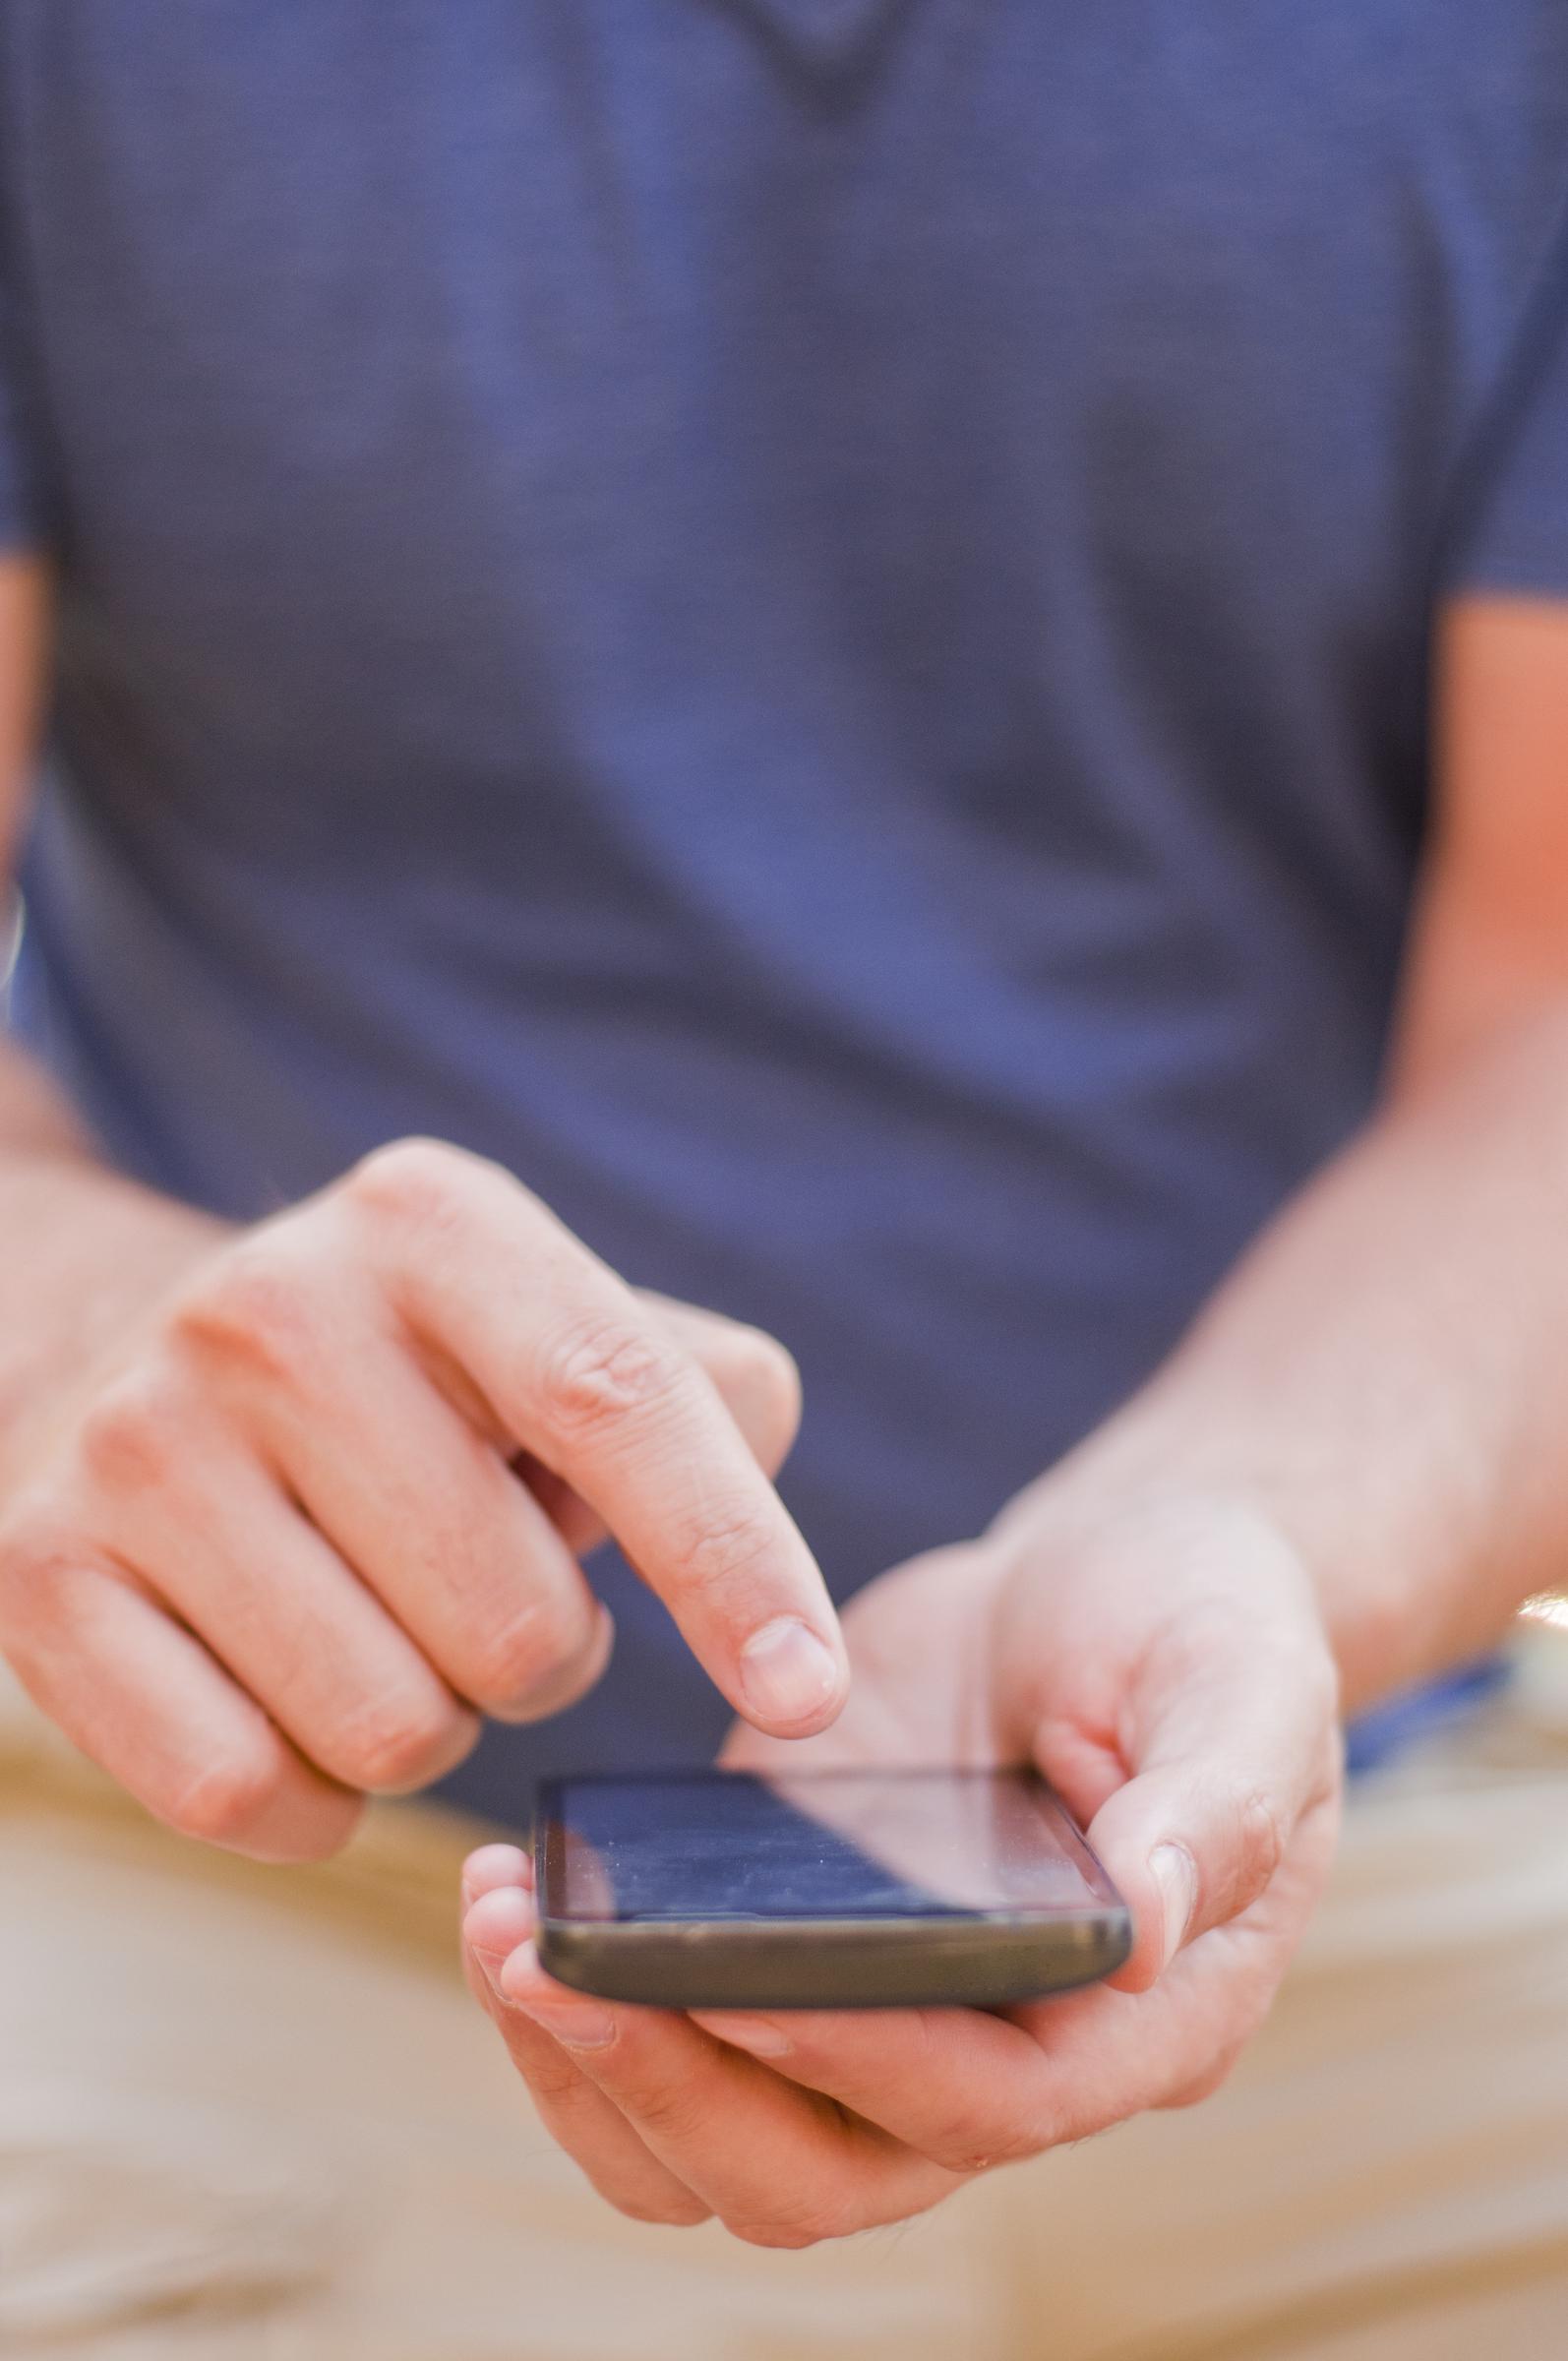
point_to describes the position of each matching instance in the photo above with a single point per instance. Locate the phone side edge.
(834, 1963)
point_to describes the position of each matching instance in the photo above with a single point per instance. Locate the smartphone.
(820, 1890)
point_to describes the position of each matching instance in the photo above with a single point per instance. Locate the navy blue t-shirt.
(805, 619)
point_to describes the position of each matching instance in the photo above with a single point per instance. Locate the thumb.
(1225, 1772)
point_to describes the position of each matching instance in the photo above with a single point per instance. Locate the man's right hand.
(276, 1547)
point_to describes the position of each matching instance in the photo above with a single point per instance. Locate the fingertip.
(304, 1829)
(792, 1682)
(492, 1866)
(1161, 1889)
(497, 1923)
(570, 1683)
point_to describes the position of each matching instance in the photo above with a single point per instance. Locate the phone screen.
(857, 1844)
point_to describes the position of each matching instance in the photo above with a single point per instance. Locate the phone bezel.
(984, 1959)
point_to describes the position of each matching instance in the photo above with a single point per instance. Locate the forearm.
(86, 1249)
(1385, 1373)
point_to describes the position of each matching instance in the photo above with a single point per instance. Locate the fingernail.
(575, 2023)
(754, 2034)
(491, 1964)
(1172, 1867)
(574, 2020)
(787, 1674)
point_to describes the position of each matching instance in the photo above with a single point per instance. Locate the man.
(864, 661)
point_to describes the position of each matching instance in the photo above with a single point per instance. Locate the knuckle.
(250, 1306)
(1204, 2086)
(1012, 2143)
(394, 1742)
(524, 1654)
(793, 2230)
(129, 1438)
(222, 1801)
(970, 2146)
(411, 1184)
(35, 1566)
(549, 2083)
(50, 1583)
(672, 2212)
(669, 2111)
(605, 1372)
(1261, 1839)
(557, 2088)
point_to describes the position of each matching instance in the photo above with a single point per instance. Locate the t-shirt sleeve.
(1514, 535)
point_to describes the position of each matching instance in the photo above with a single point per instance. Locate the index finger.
(969, 2089)
(582, 1375)
(965, 2089)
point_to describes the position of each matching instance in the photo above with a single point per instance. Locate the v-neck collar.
(829, 38)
